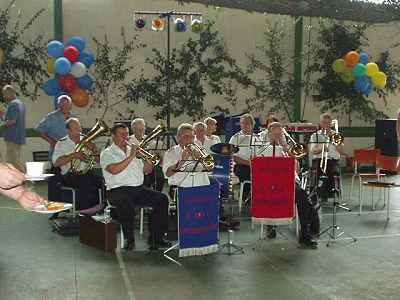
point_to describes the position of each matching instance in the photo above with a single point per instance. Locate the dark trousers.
(243, 172)
(155, 179)
(307, 214)
(87, 186)
(125, 199)
(332, 173)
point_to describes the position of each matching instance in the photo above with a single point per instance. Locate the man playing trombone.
(326, 152)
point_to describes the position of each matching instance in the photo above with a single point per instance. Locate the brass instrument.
(156, 132)
(335, 138)
(207, 160)
(86, 147)
(297, 150)
(146, 155)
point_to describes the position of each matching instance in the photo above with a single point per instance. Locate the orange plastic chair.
(363, 157)
(385, 163)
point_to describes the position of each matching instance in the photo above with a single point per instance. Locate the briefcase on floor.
(97, 234)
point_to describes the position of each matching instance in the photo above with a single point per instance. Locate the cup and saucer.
(34, 171)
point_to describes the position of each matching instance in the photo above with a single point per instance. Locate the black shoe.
(271, 232)
(159, 243)
(129, 245)
(308, 244)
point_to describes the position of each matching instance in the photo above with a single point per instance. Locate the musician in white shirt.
(156, 178)
(273, 141)
(304, 208)
(248, 142)
(200, 138)
(180, 167)
(318, 141)
(211, 129)
(123, 171)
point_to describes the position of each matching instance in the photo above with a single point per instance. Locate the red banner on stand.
(273, 189)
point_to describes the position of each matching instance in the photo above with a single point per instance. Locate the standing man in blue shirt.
(52, 127)
(14, 124)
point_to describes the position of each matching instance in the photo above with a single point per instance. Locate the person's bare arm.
(10, 176)
(48, 139)
(65, 159)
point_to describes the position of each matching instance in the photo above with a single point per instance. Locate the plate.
(42, 208)
(37, 177)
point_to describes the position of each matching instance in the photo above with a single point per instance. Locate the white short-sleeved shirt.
(215, 138)
(206, 145)
(183, 179)
(132, 175)
(65, 146)
(318, 139)
(248, 144)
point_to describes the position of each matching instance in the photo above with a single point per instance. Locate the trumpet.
(298, 150)
(335, 138)
(146, 155)
(207, 160)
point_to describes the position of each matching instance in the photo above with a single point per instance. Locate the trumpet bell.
(336, 138)
(298, 150)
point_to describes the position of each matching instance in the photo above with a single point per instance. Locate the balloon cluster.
(356, 67)
(69, 62)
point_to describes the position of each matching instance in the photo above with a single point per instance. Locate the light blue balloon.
(87, 58)
(358, 70)
(55, 49)
(85, 82)
(76, 41)
(363, 58)
(62, 66)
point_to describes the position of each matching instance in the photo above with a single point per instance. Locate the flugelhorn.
(207, 160)
(298, 150)
(146, 155)
(155, 133)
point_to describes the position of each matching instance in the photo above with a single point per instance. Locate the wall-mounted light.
(157, 24)
(196, 23)
(180, 24)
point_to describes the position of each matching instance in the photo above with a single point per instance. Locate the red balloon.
(67, 82)
(71, 53)
(79, 97)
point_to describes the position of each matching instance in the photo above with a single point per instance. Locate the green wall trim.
(58, 20)
(298, 61)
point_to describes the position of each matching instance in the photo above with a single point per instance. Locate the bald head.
(9, 92)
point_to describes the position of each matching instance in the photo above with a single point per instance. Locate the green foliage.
(275, 88)
(199, 67)
(23, 59)
(335, 40)
(113, 66)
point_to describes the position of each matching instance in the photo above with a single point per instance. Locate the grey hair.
(248, 117)
(137, 120)
(61, 98)
(70, 120)
(183, 127)
(325, 116)
(199, 124)
(209, 119)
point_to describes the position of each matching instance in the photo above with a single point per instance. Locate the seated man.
(211, 124)
(87, 184)
(180, 165)
(123, 172)
(304, 207)
(156, 178)
(201, 138)
(319, 142)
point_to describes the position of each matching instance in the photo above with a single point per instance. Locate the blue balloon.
(62, 66)
(51, 87)
(363, 58)
(76, 41)
(85, 82)
(55, 48)
(368, 87)
(360, 83)
(86, 57)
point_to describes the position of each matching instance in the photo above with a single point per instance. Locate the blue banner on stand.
(198, 220)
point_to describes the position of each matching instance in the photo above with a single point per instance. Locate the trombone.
(207, 160)
(335, 138)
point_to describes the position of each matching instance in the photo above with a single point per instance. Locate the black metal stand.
(229, 248)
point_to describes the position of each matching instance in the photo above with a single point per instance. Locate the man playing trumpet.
(181, 166)
(123, 172)
(325, 156)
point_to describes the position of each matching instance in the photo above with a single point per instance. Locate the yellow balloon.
(347, 77)
(371, 69)
(379, 80)
(339, 65)
(50, 65)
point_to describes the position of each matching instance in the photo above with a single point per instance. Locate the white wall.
(241, 30)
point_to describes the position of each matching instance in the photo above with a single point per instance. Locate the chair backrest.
(388, 163)
(40, 155)
(366, 156)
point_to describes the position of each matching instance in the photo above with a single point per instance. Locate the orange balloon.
(352, 58)
(79, 97)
